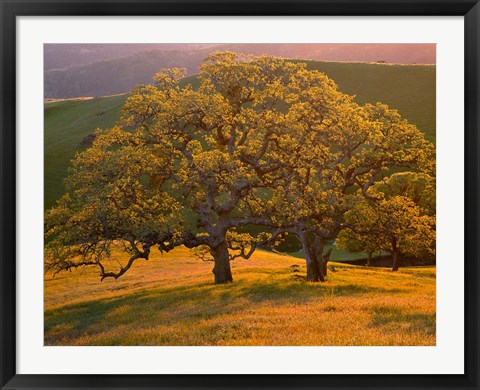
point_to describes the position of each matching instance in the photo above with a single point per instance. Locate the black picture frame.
(10, 9)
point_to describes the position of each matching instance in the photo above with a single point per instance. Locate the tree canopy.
(262, 142)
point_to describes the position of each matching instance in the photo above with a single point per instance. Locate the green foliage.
(419, 187)
(399, 217)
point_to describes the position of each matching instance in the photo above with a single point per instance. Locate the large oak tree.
(261, 141)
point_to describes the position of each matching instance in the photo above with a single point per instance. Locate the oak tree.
(398, 218)
(339, 154)
(261, 141)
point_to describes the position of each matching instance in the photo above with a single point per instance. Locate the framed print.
(243, 194)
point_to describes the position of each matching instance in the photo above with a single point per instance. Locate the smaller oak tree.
(398, 220)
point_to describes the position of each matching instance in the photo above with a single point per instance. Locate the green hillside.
(410, 89)
(66, 124)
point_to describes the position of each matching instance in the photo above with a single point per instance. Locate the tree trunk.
(314, 273)
(325, 259)
(317, 250)
(369, 259)
(314, 262)
(221, 270)
(395, 260)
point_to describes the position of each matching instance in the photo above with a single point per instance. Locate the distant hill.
(115, 76)
(389, 53)
(410, 89)
(105, 69)
(64, 55)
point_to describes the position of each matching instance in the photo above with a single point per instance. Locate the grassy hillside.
(171, 300)
(66, 124)
(410, 89)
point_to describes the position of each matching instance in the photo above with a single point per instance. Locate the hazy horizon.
(74, 70)
(57, 55)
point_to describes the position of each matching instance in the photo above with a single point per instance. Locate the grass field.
(410, 89)
(67, 122)
(171, 300)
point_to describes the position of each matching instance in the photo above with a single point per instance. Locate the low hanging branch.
(137, 255)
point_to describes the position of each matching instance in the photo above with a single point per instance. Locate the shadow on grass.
(300, 290)
(387, 315)
(185, 304)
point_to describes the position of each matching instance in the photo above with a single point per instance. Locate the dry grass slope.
(171, 300)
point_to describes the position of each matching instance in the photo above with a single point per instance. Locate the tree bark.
(317, 250)
(325, 259)
(369, 259)
(313, 257)
(314, 273)
(221, 269)
(395, 260)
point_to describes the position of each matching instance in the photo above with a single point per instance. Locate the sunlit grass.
(171, 300)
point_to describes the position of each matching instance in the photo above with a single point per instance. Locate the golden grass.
(171, 300)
